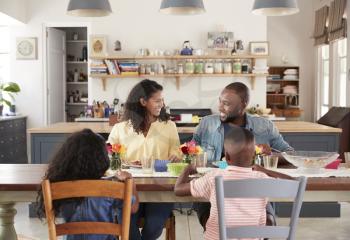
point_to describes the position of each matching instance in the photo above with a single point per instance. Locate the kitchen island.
(301, 135)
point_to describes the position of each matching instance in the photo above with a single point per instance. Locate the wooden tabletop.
(27, 177)
(103, 127)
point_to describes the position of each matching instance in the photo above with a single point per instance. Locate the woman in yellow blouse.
(146, 131)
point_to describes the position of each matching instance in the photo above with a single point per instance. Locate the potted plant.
(7, 89)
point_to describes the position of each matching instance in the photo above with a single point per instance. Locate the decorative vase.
(187, 158)
(116, 162)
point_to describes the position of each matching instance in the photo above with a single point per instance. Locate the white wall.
(138, 24)
(15, 9)
(291, 36)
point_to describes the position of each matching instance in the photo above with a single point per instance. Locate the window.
(324, 79)
(332, 76)
(4, 54)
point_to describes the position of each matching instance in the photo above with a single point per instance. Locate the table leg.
(7, 216)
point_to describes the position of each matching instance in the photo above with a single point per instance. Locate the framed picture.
(26, 48)
(220, 40)
(259, 48)
(98, 45)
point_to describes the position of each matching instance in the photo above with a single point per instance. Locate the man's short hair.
(240, 89)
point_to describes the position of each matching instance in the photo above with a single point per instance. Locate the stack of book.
(129, 68)
(112, 66)
(274, 77)
(98, 67)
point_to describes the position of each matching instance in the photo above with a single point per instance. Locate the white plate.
(203, 170)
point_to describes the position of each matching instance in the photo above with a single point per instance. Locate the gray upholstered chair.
(259, 188)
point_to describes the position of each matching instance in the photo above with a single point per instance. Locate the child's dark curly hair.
(82, 156)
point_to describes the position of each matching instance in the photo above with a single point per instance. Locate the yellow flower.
(258, 150)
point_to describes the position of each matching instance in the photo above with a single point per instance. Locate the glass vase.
(115, 162)
(190, 159)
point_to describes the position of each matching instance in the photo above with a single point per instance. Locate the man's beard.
(231, 117)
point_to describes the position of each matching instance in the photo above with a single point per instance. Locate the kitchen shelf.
(282, 80)
(281, 94)
(103, 77)
(179, 57)
(76, 41)
(76, 62)
(77, 83)
(77, 104)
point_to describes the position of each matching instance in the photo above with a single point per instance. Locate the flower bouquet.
(189, 151)
(116, 152)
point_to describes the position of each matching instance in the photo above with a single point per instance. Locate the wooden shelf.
(179, 57)
(281, 94)
(282, 80)
(177, 77)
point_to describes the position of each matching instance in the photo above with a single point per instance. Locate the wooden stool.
(169, 227)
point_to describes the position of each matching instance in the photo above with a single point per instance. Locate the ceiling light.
(182, 7)
(275, 7)
(89, 8)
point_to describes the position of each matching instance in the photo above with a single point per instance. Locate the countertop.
(103, 127)
(6, 118)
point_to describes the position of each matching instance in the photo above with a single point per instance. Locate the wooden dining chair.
(259, 188)
(87, 188)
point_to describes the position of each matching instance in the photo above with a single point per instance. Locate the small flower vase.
(258, 160)
(116, 162)
(187, 158)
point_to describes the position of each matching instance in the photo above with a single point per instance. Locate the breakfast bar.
(300, 135)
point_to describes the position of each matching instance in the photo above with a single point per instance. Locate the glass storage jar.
(198, 66)
(237, 66)
(218, 66)
(228, 66)
(180, 68)
(189, 66)
(209, 67)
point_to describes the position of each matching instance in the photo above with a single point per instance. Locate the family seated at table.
(147, 131)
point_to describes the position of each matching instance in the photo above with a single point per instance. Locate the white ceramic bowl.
(310, 161)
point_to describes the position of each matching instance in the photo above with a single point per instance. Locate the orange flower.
(118, 148)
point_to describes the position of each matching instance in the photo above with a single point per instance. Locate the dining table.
(20, 183)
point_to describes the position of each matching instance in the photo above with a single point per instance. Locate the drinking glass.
(147, 164)
(201, 160)
(270, 162)
(347, 159)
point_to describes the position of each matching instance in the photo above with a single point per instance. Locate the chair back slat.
(258, 232)
(87, 188)
(259, 188)
(88, 228)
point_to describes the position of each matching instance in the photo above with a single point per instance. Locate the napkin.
(333, 165)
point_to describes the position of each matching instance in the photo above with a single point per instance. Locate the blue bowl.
(161, 165)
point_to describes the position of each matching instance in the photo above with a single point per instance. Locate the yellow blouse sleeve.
(113, 137)
(174, 140)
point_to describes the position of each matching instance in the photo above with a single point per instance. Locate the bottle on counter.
(76, 75)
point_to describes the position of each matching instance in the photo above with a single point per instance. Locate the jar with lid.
(228, 66)
(209, 67)
(198, 66)
(189, 66)
(245, 67)
(218, 66)
(180, 68)
(148, 69)
(142, 69)
(237, 66)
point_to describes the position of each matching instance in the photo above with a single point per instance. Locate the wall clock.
(26, 48)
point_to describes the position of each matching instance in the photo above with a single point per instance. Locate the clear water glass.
(270, 162)
(147, 164)
(201, 160)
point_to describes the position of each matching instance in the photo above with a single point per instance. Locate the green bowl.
(176, 169)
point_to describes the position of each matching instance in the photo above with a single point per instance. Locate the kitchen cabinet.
(13, 140)
(174, 60)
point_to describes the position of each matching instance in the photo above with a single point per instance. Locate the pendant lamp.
(182, 7)
(275, 7)
(89, 8)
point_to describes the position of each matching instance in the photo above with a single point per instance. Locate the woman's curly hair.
(135, 112)
(82, 156)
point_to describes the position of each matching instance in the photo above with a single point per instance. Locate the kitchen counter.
(6, 118)
(103, 127)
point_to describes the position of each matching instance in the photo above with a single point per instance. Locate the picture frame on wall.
(220, 40)
(26, 48)
(98, 45)
(259, 48)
